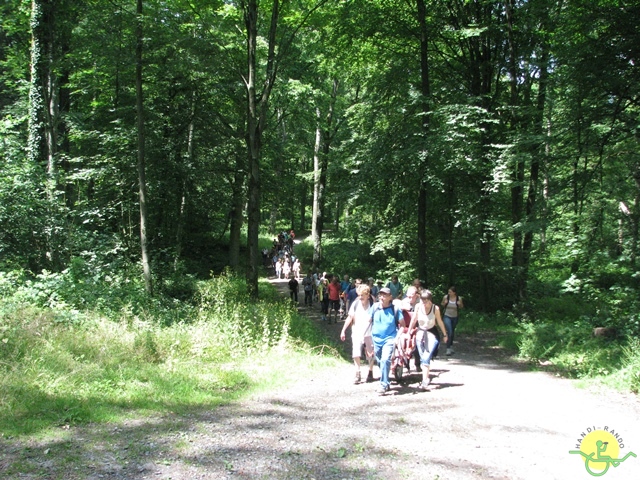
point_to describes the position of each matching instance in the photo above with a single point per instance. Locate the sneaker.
(449, 351)
(370, 377)
(424, 385)
(358, 378)
(382, 389)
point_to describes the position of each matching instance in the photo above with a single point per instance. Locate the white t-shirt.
(425, 320)
(361, 319)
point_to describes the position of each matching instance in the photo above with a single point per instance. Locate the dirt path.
(486, 417)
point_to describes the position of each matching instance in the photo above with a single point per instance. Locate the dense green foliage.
(488, 144)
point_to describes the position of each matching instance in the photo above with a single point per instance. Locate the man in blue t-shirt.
(385, 319)
(345, 284)
(352, 293)
(395, 286)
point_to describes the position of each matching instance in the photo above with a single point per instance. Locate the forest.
(491, 144)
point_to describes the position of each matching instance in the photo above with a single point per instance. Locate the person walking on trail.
(385, 320)
(372, 287)
(345, 284)
(308, 285)
(425, 316)
(323, 297)
(294, 286)
(286, 267)
(278, 266)
(334, 298)
(352, 294)
(408, 305)
(296, 268)
(395, 286)
(359, 321)
(316, 286)
(376, 289)
(451, 304)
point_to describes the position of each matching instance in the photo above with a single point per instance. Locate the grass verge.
(62, 367)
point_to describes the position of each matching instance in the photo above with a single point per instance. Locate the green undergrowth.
(563, 344)
(61, 365)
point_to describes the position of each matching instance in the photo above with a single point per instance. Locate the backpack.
(357, 302)
(457, 299)
(378, 306)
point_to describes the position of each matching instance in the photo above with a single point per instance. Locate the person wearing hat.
(385, 318)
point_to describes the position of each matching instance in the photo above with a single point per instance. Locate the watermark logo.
(600, 449)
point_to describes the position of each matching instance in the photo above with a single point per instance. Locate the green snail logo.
(600, 449)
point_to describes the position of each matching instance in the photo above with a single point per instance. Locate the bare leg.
(356, 361)
(426, 379)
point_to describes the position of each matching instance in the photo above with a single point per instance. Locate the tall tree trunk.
(318, 196)
(142, 183)
(635, 220)
(256, 122)
(575, 174)
(253, 147)
(425, 88)
(450, 224)
(183, 197)
(538, 155)
(482, 70)
(545, 179)
(40, 144)
(518, 165)
(304, 188)
(237, 209)
(41, 13)
(324, 138)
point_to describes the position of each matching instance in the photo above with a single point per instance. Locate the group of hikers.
(385, 320)
(282, 258)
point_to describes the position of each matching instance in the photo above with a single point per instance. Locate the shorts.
(334, 305)
(357, 342)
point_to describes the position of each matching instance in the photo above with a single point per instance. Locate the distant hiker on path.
(294, 286)
(308, 285)
(395, 286)
(451, 304)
